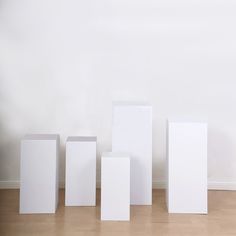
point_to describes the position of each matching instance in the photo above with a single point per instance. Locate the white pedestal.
(115, 187)
(80, 171)
(187, 167)
(132, 133)
(39, 173)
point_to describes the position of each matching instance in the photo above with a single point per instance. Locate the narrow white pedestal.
(187, 167)
(115, 187)
(80, 171)
(132, 133)
(39, 173)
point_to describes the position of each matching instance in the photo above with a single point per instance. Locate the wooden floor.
(145, 220)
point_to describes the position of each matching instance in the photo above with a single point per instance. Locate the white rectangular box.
(39, 173)
(187, 167)
(132, 133)
(80, 188)
(115, 187)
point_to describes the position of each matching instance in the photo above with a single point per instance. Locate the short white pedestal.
(115, 187)
(132, 133)
(39, 173)
(187, 167)
(80, 188)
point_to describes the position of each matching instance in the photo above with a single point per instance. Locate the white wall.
(62, 63)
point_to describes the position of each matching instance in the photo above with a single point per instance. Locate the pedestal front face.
(80, 188)
(187, 167)
(132, 133)
(39, 174)
(115, 187)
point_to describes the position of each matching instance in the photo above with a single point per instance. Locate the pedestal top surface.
(187, 120)
(41, 137)
(81, 139)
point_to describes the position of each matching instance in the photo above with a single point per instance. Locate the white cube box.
(80, 188)
(187, 167)
(115, 187)
(39, 173)
(132, 133)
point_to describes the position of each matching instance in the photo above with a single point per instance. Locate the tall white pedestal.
(115, 187)
(80, 171)
(39, 173)
(132, 133)
(187, 167)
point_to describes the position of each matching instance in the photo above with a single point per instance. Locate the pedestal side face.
(132, 133)
(80, 173)
(187, 167)
(115, 189)
(39, 176)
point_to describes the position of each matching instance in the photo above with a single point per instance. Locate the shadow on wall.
(62, 163)
(9, 137)
(220, 150)
(9, 148)
(159, 171)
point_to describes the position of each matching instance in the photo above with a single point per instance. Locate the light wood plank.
(145, 220)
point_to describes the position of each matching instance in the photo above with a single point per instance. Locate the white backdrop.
(62, 63)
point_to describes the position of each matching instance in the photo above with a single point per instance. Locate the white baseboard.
(10, 184)
(158, 184)
(217, 185)
(212, 185)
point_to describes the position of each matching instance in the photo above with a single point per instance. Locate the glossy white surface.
(115, 187)
(132, 133)
(187, 167)
(39, 174)
(80, 187)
